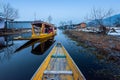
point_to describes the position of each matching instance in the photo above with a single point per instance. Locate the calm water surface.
(22, 64)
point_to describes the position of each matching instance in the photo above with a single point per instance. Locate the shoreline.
(12, 33)
(96, 40)
(107, 46)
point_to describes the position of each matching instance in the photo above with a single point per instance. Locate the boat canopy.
(40, 27)
(39, 24)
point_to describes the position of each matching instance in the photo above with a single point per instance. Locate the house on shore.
(81, 25)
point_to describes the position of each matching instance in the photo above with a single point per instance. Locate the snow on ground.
(111, 32)
(89, 29)
(116, 33)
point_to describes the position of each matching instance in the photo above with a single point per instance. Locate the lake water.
(22, 64)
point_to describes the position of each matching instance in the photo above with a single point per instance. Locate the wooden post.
(43, 28)
(33, 32)
(53, 30)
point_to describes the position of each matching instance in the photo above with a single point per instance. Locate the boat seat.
(58, 72)
(58, 56)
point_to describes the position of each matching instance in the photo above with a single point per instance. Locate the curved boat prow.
(58, 66)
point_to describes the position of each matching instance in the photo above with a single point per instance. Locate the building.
(81, 25)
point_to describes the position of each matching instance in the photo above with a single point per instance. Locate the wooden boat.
(42, 30)
(58, 65)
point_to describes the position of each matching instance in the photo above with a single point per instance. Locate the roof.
(82, 23)
(42, 22)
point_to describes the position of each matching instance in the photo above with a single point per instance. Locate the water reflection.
(41, 48)
(2, 42)
(7, 47)
(23, 64)
(6, 41)
(38, 46)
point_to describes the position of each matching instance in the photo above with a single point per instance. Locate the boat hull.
(58, 65)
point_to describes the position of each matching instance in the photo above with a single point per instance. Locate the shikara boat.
(40, 30)
(58, 65)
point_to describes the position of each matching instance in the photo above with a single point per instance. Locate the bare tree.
(49, 19)
(70, 24)
(8, 13)
(98, 15)
(62, 23)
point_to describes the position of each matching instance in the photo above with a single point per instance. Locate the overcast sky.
(60, 10)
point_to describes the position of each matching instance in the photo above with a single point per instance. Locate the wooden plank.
(58, 68)
(58, 72)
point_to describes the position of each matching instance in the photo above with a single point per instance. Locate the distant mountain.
(107, 21)
(111, 20)
(114, 17)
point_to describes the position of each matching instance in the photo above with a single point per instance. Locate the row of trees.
(63, 23)
(66, 24)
